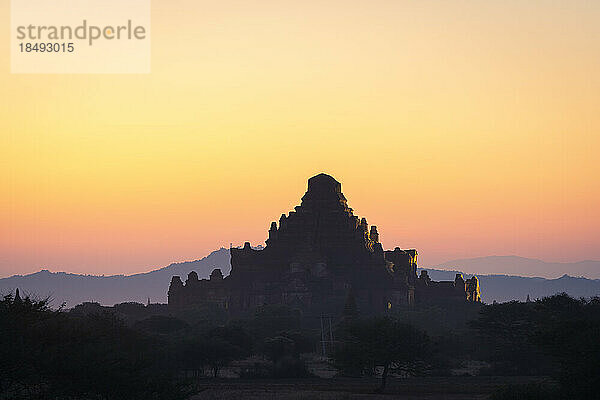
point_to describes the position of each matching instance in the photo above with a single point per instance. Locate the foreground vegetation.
(132, 351)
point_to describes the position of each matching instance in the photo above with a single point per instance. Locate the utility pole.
(330, 335)
(322, 336)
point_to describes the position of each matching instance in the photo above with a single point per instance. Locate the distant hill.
(108, 290)
(506, 287)
(521, 266)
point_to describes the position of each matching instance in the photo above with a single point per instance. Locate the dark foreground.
(97, 354)
(426, 388)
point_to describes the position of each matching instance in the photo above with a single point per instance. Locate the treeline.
(557, 336)
(132, 351)
(113, 353)
(49, 354)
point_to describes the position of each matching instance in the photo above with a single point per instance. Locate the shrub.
(532, 391)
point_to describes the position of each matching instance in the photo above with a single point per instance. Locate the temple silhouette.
(318, 258)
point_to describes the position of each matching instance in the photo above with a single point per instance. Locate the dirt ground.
(427, 388)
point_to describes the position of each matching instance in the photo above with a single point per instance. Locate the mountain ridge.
(523, 266)
(72, 289)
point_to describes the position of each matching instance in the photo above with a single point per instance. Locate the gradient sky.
(460, 128)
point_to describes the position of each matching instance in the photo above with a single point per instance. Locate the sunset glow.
(459, 128)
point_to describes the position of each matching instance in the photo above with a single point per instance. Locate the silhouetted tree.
(505, 331)
(350, 310)
(50, 354)
(224, 345)
(558, 335)
(275, 318)
(161, 324)
(219, 353)
(275, 348)
(569, 330)
(381, 342)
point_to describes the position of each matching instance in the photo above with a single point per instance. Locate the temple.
(314, 258)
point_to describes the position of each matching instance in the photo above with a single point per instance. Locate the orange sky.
(460, 128)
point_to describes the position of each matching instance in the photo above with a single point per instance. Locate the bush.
(290, 367)
(257, 371)
(530, 391)
(48, 354)
(381, 342)
(160, 324)
(285, 368)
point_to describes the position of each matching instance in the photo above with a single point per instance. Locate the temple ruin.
(314, 257)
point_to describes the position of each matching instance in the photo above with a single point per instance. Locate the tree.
(277, 347)
(275, 318)
(53, 354)
(504, 331)
(350, 310)
(568, 330)
(557, 335)
(225, 344)
(220, 353)
(192, 355)
(161, 324)
(381, 342)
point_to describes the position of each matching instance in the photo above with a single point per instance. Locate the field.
(427, 388)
